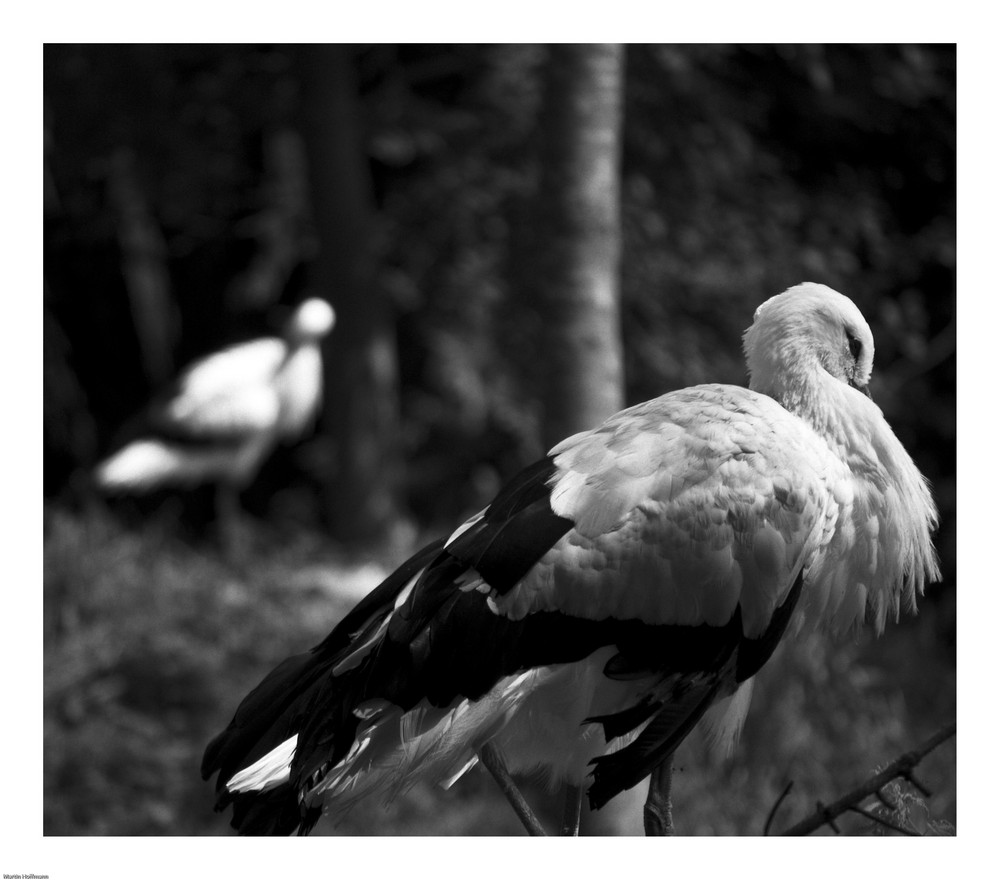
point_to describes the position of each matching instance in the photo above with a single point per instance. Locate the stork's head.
(805, 327)
(311, 321)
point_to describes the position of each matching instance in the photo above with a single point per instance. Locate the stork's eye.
(854, 344)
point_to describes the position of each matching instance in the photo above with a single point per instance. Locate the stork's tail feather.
(142, 466)
(297, 724)
(300, 719)
(257, 727)
(265, 722)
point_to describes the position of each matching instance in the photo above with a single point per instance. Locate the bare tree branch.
(903, 767)
(874, 817)
(774, 809)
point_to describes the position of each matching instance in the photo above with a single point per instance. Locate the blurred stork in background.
(224, 415)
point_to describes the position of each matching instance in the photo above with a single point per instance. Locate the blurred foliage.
(148, 645)
(746, 169)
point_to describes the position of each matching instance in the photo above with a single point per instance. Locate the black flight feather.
(621, 770)
(754, 653)
(517, 529)
(444, 642)
(728, 651)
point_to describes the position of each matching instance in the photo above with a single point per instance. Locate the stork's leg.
(494, 762)
(571, 813)
(657, 816)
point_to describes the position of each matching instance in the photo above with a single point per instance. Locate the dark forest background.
(193, 193)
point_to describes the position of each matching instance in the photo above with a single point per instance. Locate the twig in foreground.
(892, 826)
(903, 766)
(774, 809)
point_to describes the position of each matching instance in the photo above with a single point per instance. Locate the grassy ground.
(150, 644)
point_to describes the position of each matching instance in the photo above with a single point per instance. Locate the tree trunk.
(580, 233)
(578, 257)
(360, 407)
(144, 266)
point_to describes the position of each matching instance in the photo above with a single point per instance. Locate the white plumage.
(228, 411)
(614, 595)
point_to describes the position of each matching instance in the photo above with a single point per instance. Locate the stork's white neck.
(830, 406)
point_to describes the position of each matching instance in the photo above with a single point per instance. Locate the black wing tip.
(274, 710)
(212, 759)
(605, 786)
(275, 813)
(614, 774)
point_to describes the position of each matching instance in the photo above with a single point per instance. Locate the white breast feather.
(879, 555)
(299, 384)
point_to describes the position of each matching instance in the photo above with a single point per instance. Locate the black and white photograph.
(493, 440)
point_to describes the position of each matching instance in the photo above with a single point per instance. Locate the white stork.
(615, 594)
(226, 413)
